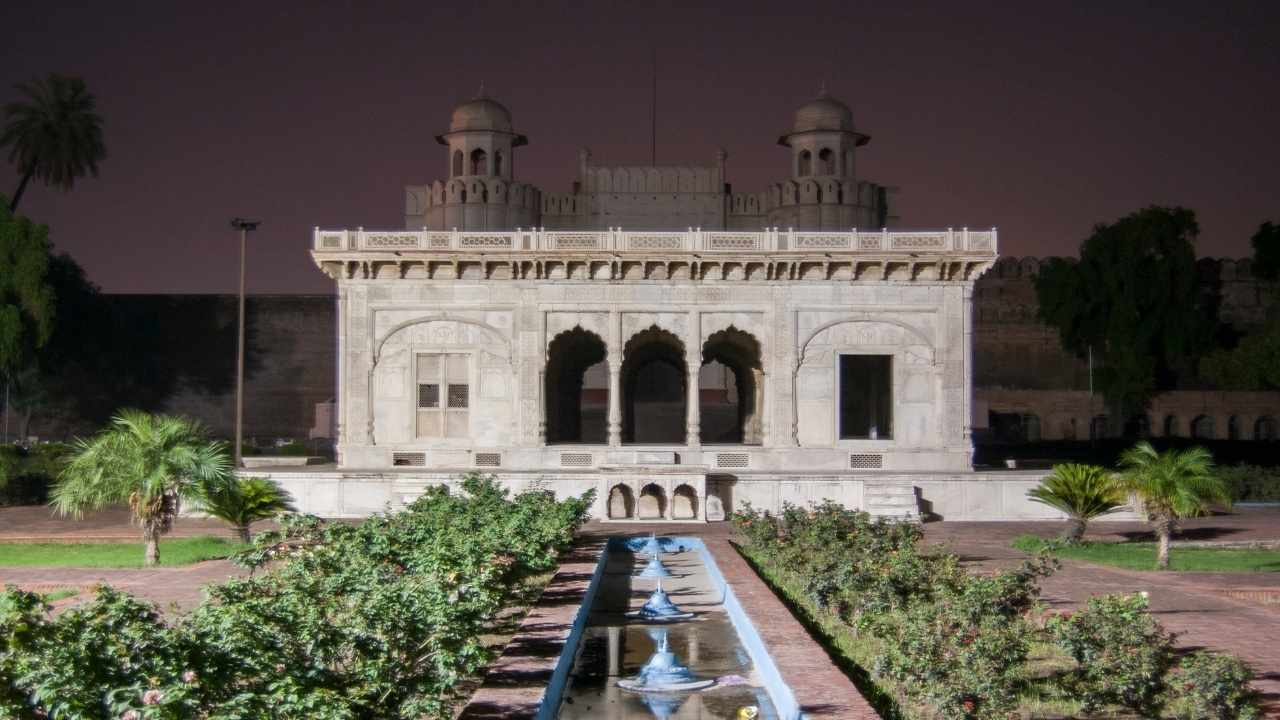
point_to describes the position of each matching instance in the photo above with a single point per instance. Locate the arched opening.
(731, 388)
(622, 504)
(654, 388)
(684, 503)
(1265, 428)
(576, 398)
(457, 163)
(1138, 426)
(1233, 428)
(804, 167)
(1171, 426)
(1202, 428)
(1098, 427)
(497, 162)
(479, 162)
(826, 162)
(653, 502)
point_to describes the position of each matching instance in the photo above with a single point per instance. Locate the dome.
(481, 113)
(823, 113)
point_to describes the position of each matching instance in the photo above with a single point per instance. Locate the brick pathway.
(175, 590)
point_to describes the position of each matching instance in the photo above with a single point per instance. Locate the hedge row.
(380, 619)
(950, 644)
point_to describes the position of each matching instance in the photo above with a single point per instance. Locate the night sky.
(1041, 122)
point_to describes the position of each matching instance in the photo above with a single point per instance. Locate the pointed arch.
(654, 388)
(576, 388)
(731, 388)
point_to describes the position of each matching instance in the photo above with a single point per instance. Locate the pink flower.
(189, 676)
(152, 697)
(131, 715)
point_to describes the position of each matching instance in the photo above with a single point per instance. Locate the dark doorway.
(866, 397)
(575, 413)
(654, 388)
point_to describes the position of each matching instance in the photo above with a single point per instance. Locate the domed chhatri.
(823, 113)
(481, 113)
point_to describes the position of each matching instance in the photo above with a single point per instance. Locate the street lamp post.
(244, 226)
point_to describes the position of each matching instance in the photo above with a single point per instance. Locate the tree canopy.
(1254, 364)
(1133, 297)
(54, 133)
(27, 300)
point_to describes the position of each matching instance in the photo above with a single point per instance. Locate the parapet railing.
(693, 240)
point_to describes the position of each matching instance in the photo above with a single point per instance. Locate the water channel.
(683, 668)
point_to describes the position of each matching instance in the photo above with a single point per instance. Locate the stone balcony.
(615, 254)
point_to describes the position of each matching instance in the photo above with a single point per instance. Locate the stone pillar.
(614, 350)
(615, 402)
(693, 427)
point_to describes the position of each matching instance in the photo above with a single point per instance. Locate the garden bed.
(1142, 555)
(927, 640)
(174, 552)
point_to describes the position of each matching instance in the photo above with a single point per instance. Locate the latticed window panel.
(408, 459)
(459, 396)
(732, 460)
(575, 459)
(428, 395)
(488, 459)
(865, 461)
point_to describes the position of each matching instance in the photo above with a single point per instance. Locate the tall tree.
(27, 301)
(151, 462)
(1133, 298)
(53, 134)
(1171, 485)
(1254, 363)
(1266, 251)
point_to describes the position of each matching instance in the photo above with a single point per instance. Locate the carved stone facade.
(676, 373)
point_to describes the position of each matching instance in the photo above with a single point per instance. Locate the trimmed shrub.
(26, 474)
(1213, 686)
(1122, 654)
(1251, 483)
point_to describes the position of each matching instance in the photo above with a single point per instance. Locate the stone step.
(896, 500)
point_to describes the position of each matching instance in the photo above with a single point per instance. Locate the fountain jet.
(663, 673)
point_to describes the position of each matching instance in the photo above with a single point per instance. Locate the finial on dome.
(481, 95)
(822, 89)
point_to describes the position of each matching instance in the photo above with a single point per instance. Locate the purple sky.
(1041, 122)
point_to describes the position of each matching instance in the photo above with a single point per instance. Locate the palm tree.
(151, 462)
(242, 501)
(54, 133)
(1172, 485)
(1083, 492)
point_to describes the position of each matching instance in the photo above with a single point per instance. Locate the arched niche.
(622, 504)
(653, 502)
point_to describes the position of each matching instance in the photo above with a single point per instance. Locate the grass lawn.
(1142, 556)
(175, 551)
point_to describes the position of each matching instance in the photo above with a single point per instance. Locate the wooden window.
(450, 418)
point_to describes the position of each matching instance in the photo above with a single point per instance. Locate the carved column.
(693, 427)
(614, 350)
(693, 356)
(615, 401)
